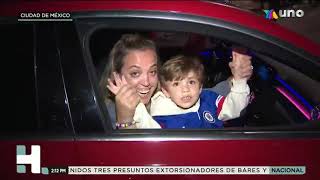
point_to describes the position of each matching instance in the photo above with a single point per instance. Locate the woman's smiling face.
(140, 71)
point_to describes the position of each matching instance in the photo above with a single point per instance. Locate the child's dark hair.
(177, 67)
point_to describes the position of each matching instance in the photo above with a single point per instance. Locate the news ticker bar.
(178, 170)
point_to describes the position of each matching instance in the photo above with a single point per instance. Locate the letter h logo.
(33, 159)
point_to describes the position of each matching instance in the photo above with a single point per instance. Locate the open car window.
(278, 96)
(284, 84)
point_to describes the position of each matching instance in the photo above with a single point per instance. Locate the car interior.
(280, 95)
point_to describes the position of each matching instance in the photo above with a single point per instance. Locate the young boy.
(182, 103)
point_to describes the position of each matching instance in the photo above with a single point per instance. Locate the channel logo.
(287, 13)
(270, 14)
(34, 159)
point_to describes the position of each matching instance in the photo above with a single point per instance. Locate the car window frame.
(88, 22)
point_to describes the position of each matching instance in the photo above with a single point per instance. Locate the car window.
(279, 99)
(35, 88)
(17, 47)
(215, 55)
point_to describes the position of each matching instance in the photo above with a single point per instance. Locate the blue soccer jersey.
(205, 117)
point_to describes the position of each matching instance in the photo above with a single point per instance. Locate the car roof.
(198, 8)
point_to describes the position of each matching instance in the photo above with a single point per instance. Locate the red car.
(56, 50)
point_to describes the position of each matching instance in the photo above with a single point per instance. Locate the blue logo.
(207, 116)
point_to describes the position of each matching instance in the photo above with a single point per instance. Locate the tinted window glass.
(34, 85)
(52, 98)
(17, 53)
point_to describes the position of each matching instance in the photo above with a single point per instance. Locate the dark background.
(308, 25)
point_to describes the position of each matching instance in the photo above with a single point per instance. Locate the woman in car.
(134, 59)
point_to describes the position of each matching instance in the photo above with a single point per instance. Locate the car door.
(291, 145)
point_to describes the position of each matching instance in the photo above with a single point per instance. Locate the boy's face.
(185, 93)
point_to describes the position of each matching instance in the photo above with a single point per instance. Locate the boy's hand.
(240, 66)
